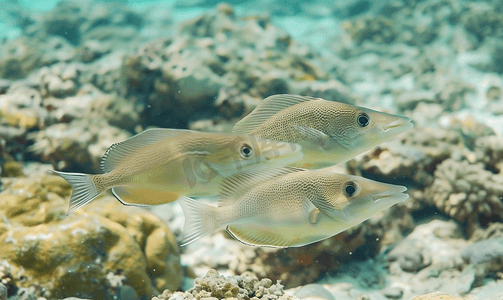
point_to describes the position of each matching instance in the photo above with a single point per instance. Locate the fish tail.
(200, 219)
(83, 189)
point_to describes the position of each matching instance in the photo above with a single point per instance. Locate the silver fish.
(329, 132)
(288, 207)
(160, 165)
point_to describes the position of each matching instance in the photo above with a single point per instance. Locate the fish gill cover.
(81, 76)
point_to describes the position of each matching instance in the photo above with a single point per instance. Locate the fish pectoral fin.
(266, 109)
(311, 212)
(142, 196)
(313, 135)
(233, 187)
(252, 235)
(330, 210)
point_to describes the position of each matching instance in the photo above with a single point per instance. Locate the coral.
(78, 145)
(467, 192)
(78, 21)
(437, 296)
(249, 56)
(489, 150)
(21, 107)
(19, 57)
(378, 30)
(108, 248)
(245, 286)
(489, 251)
(482, 20)
(411, 157)
(442, 242)
(3, 292)
(411, 256)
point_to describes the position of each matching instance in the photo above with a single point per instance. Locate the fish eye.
(349, 189)
(363, 120)
(245, 151)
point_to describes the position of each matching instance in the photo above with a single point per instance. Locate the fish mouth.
(401, 124)
(395, 194)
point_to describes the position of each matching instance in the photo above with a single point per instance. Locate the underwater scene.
(251, 149)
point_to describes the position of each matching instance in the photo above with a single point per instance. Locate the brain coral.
(467, 192)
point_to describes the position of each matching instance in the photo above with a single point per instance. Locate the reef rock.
(78, 145)
(467, 192)
(248, 54)
(437, 296)
(245, 286)
(437, 261)
(106, 247)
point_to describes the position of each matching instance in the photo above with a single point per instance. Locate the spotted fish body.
(160, 165)
(329, 132)
(289, 207)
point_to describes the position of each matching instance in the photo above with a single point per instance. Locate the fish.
(288, 207)
(330, 132)
(159, 165)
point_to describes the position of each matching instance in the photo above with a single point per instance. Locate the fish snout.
(399, 123)
(393, 192)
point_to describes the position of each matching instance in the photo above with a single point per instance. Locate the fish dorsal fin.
(267, 108)
(233, 187)
(118, 151)
(249, 235)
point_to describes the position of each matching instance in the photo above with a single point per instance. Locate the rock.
(411, 100)
(3, 292)
(377, 29)
(21, 107)
(106, 248)
(18, 58)
(491, 290)
(330, 90)
(467, 192)
(12, 169)
(488, 251)
(78, 145)
(445, 270)
(411, 256)
(481, 20)
(249, 57)
(392, 293)
(470, 129)
(214, 286)
(313, 291)
(437, 296)
(489, 150)
(232, 103)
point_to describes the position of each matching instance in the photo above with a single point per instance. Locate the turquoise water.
(306, 29)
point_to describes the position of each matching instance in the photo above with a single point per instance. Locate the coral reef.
(182, 76)
(88, 74)
(245, 286)
(467, 192)
(108, 248)
(78, 145)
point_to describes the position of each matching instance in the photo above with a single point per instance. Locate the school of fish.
(266, 173)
